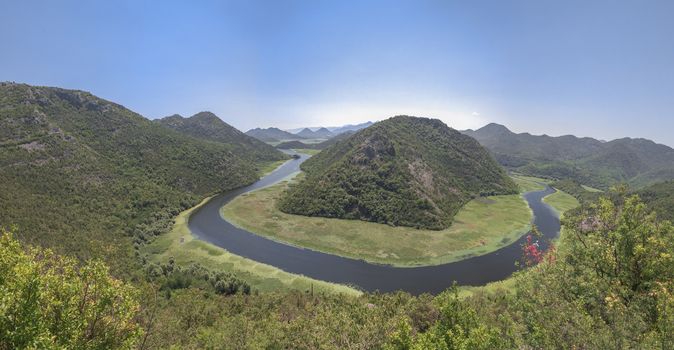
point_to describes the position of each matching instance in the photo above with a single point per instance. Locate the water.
(207, 224)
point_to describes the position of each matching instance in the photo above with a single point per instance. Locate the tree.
(51, 302)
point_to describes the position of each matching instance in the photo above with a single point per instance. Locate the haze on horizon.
(601, 68)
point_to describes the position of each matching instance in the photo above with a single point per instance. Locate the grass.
(180, 244)
(482, 226)
(561, 202)
(308, 151)
(268, 167)
(591, 189)
(529, 183)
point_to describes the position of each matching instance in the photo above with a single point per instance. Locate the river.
(207, 224)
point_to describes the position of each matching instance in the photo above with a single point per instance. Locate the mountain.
(349, 127)
(320, 145)
(321, 133)
(272, 135)
(208, 126)
(586, 160)
(402, 171)
(91, 178)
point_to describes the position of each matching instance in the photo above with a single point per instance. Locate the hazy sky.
(591, 68)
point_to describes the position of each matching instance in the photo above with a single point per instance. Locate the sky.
(590, 68)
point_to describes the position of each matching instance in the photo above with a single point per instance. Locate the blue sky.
(591, 68)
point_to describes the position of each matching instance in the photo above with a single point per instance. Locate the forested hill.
(638, 162)
(402, 171)
(208, 126)
(272, 135)
(83, 175)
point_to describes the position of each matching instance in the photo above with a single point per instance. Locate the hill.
(586, 160)
(89, 177)
(208, 126)
(404, 171)
(272, 135)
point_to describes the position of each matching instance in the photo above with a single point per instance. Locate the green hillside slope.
(402, 171)
(87, 176)
(208, 126)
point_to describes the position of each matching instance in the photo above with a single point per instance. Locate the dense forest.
(592, 162)
(403, 171)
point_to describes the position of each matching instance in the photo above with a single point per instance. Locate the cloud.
(475, 114)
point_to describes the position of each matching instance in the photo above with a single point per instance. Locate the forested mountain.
(82, 174)
(208, 126)
(272, 135)
(402, 171)
(321, 133)
(587, 160)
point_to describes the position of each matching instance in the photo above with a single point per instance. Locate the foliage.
(660, 197)
(50, 302)
(404, 171)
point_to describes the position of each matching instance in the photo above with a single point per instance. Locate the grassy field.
(561, 202)
(482, 226)
(268, 167)
(308, 151)
(529, 183)
(591, 189)
(185, 249)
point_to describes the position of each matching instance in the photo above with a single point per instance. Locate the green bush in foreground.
(50, 302)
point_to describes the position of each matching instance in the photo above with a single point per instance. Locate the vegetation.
(51, 302)
(481, 226)
(638, 162)
(660, 197)
(404, 171)
(208, 126)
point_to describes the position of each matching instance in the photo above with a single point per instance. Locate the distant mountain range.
(600, 164)
(335, 129)
(208, 126)
(273, 135)
(321, 133)
(402, 171)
